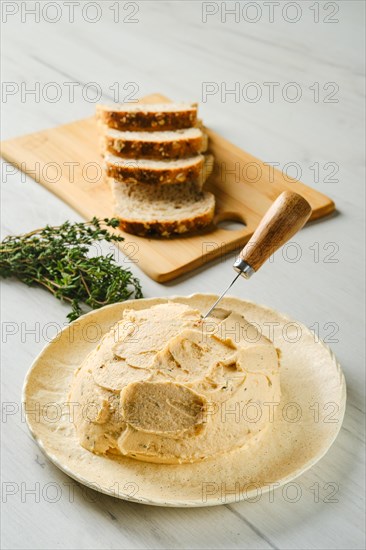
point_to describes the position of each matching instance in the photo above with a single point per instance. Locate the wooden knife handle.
(283, 219)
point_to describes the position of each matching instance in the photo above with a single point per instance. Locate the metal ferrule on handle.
(241, 266)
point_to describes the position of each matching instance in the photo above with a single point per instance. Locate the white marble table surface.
(170, 49)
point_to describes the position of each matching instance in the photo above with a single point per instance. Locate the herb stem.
(56, 258)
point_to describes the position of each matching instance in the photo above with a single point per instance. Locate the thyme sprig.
(58, 259)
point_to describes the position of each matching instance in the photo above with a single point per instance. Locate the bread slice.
(160, 172)
(154, 145)
(139, 117)
(166, 210)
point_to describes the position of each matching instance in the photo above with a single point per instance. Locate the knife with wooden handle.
(287, 215)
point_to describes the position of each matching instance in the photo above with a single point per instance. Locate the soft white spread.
(166, 386)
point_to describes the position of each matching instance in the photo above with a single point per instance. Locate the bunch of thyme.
(57, 259)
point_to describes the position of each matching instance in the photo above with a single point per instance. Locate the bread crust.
(138, 121)
(173, 150)
(125, 173)
(167, 229)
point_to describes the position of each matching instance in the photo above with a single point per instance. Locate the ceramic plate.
(304, 426)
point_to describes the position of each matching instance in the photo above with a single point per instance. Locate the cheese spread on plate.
(165, 386)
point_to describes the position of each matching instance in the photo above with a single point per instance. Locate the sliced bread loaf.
(139, 117)
(154, 145)
(163, 172)
(149, 210)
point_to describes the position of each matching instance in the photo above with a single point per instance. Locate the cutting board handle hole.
(230, 221)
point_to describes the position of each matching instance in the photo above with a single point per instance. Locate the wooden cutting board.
(66, 160)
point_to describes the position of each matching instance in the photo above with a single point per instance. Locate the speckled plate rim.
(185, 503)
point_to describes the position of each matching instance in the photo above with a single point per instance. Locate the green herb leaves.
(57, 259)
